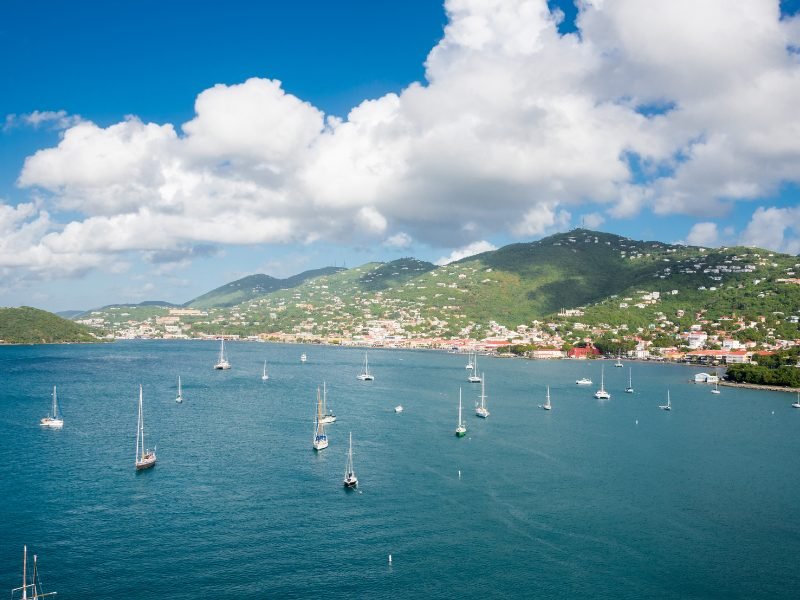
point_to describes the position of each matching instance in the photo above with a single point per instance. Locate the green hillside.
(26, 325)
(253, 286)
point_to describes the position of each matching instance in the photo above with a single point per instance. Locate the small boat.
(469, 366)
(327, 416)
(350, 479)
(320, 441)
(547, 405)
(583, 381)
(54, 420)
(264, 375)
(222, 363)
(602, 394)
(398, 408)
(144, 458)
(303, 357)
(474, 378)
(797, 404)
(461, 430)
(666, 406)
(716, 389)
(365, 375)
(179, 397)
(629, 389)
(35, 585)
(480, 409)
(619, 362)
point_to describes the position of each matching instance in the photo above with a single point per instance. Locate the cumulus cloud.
(468, 250)
(774, 228)
(515, 127)
(56, 119)
(703, 234)
(400, 241)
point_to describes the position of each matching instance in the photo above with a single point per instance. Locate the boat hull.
(320, 443)
(52, 423)
(461, 433)
(481, 412)
(147, 462)
(350, 481)
(366, 377)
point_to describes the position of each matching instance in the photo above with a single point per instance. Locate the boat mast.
(24, 572)
(55, 402)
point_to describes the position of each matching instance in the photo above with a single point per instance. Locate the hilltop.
(26, 325)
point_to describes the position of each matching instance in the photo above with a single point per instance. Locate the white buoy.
(390, 559)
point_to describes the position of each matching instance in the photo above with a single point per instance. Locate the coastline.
(756, 386)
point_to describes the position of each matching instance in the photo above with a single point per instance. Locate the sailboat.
(144, 458)
(629, 389)
(303, 357)
(461, 430)
(320, 441)
(716, 389)
(350, 479)
(602, 394)
(327, 415)
(222, 363)
(480, 409)
(583, 381)
(469, 366)
(365, 375)
(547, 405)
(179, 397)
(797, 404)
(474, 378)
(54, 420)
(34, 586)
(619, 361)
(264, 375)
(666, 406)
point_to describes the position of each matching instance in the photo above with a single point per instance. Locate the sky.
(157, 150)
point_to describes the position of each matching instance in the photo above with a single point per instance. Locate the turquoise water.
(578, 502)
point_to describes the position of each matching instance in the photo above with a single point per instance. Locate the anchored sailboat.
(327, 413)
(264, 375)
(469, 366)
(666, 406)
(797, 404)
(546, 405)
(716, 388)
(602, 394)
(474, 378)
(54, 420)
(179, 397)
(480, 409)
(365, 375)
(144, 458)
(350, 479)
(629, 389)
(320, 441)
(461, 430)
(34, 586)
(222, 363)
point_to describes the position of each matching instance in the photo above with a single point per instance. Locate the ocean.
(594, 499)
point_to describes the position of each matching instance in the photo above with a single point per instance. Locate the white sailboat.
(547, 405)
(797, 404)
(303, 357)
(144, 458)
(583, 381)
(179, 397)
(222, 363)
(716, 389)
(629, 389)
(469, 366)
(480, 409)
(666, 406)
(350, 479)
(461, 430)
(365, 375)
(602, 394)
(474, 378)
(327, 415)
(54, 420)
(398, 408)
(320, 441)
(264, 375)
(34, 586)
(619, 361)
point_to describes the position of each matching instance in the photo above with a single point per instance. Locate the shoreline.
(757, 386)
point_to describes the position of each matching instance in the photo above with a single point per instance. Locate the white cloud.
(774, 229)
(401, 241)
(57, 119)
(468, 250)
(513, 129)
(593, 220)
(703, 234)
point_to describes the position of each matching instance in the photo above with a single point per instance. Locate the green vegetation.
(772, 369)
(26, 325)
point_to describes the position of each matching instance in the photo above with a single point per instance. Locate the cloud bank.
(515, 128)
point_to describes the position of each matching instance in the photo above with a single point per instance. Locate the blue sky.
(148, 151)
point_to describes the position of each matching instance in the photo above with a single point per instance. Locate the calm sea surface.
(613, 499)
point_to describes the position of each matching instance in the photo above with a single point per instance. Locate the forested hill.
(26, 325)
